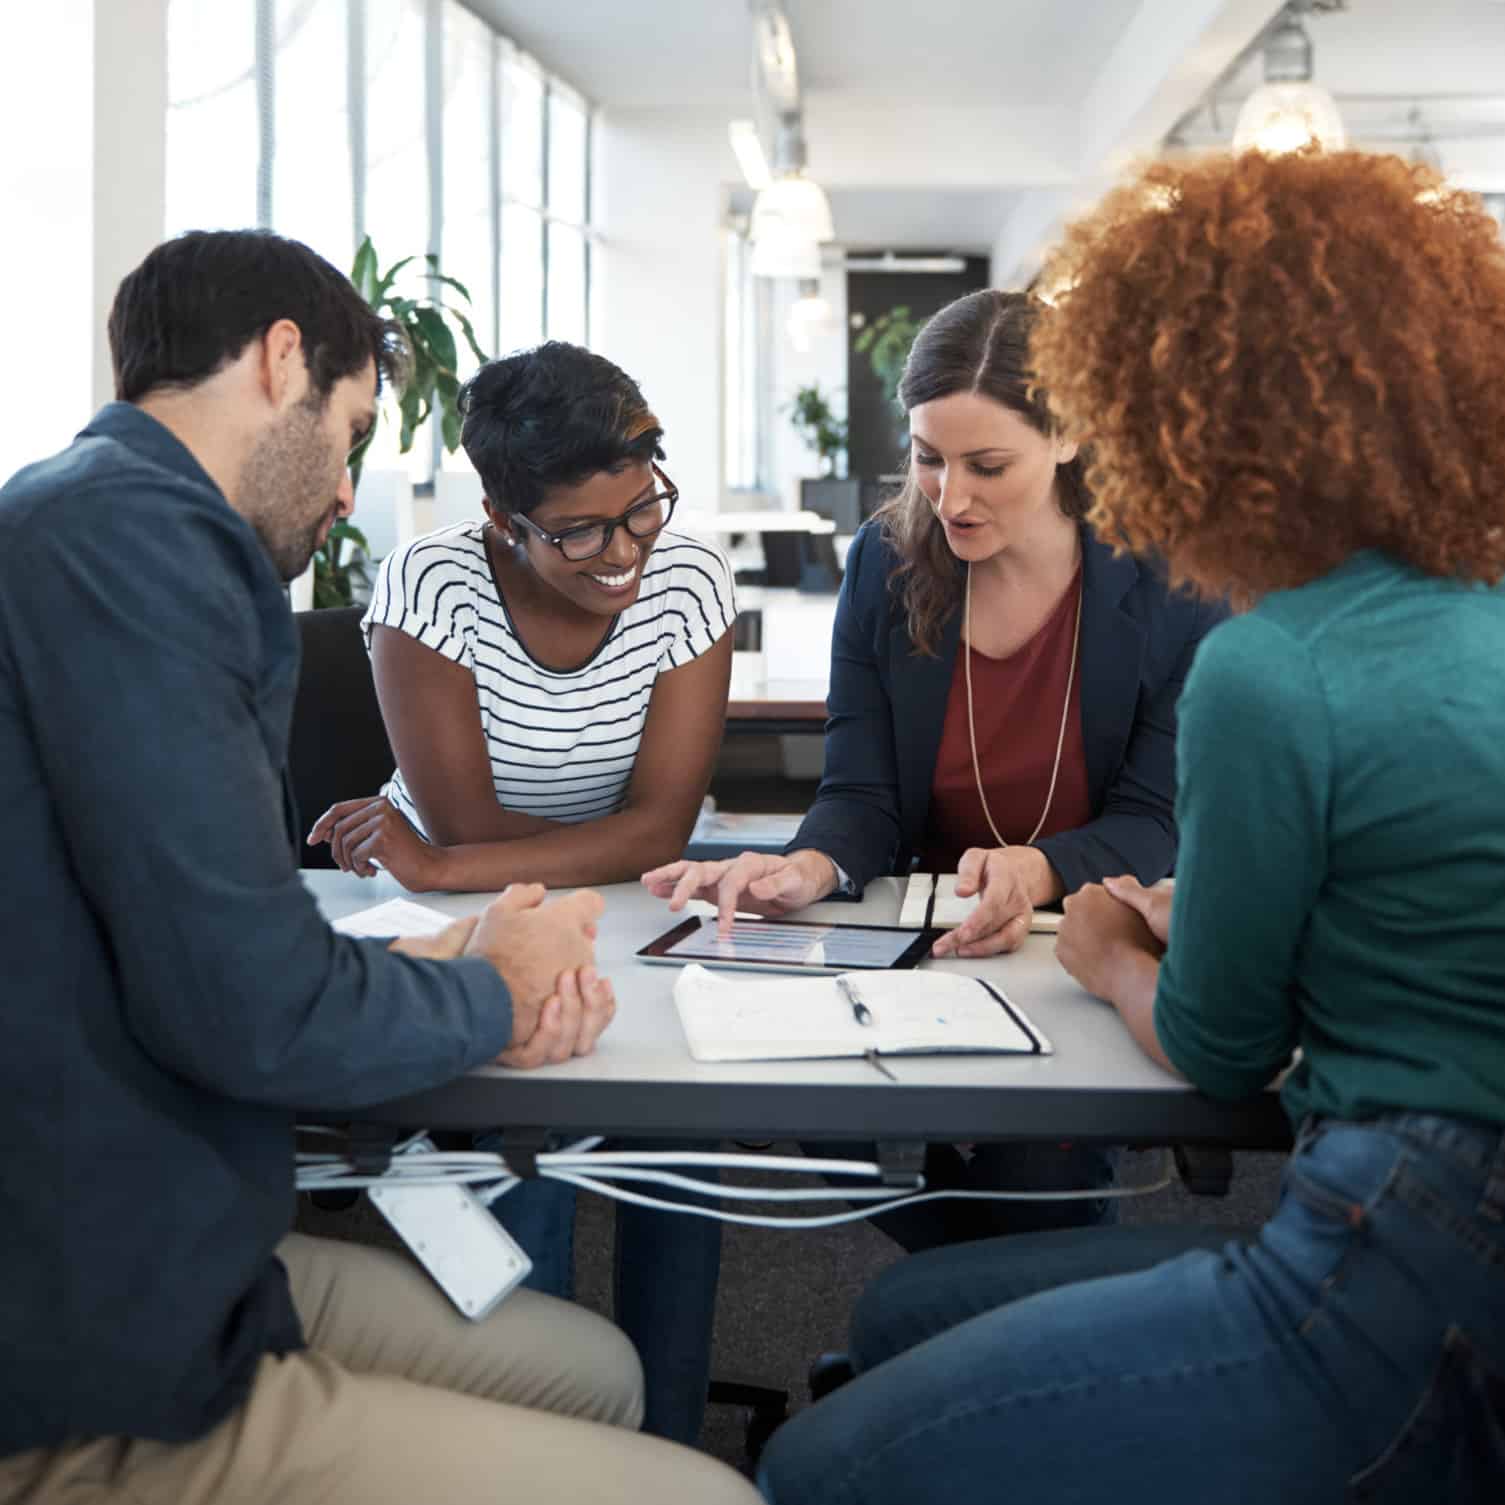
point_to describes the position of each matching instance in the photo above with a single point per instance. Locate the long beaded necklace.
(1076, 639)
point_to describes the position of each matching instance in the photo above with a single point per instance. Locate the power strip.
(452, 1234)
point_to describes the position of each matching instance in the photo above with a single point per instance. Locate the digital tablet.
(791, 946)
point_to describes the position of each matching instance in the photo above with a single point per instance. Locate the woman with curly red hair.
(1288, 370)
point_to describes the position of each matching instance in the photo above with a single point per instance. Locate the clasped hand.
(1107, 927)
(545, 953)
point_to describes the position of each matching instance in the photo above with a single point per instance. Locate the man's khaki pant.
(399, 1400)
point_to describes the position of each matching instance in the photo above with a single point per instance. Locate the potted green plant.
(885, 342)
(830, 495)
(433, 389)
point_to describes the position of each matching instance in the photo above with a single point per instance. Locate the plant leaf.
(351, 532)
(437, 276)
(438, 336)
(385, 285)
(356, 463)
(468, 330)
(363, 273)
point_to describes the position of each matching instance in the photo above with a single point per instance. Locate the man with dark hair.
(172, 993)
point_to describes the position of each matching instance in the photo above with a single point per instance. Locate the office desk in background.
(641, 1080)
(781, 685)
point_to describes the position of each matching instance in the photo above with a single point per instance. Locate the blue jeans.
(1354, 1351)
(665, 1268)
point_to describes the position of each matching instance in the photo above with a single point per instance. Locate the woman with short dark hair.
(553, 677)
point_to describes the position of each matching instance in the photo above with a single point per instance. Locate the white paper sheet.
(393, 918)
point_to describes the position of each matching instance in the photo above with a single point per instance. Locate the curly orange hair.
(1279, 361)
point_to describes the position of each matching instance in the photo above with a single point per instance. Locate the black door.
(877, 439)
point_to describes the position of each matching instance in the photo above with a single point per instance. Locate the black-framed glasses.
(586, 540)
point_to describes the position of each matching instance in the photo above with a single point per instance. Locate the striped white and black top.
(561, 742)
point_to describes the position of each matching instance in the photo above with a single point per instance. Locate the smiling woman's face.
(988, 473)
(610, 581)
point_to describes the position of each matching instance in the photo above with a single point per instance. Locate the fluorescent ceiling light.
(748, 146)
(797, 202)
(888, 262)
(775, 52)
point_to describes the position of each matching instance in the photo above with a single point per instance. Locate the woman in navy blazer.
(1078, 655)
(887, 704)
(899, 626)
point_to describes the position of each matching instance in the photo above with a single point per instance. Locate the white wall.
(46, 122)
(661, 306)
(82, 181)
(130, 153)
(824, 363)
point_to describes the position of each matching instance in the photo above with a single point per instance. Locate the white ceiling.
(924, 121)
(931, 122)
(695, 54)
(963, 219)
(1397, 47)
(1384, 60)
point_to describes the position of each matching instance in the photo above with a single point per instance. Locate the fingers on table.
(321, 828)
(360, 837)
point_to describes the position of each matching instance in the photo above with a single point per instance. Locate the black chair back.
(338, 749)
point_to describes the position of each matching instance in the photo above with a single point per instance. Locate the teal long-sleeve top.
(1341, 882)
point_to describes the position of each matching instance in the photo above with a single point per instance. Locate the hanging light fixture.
(809, 315)
(795, 201)
(1288, 111)
(783, 250)
(1424, 151)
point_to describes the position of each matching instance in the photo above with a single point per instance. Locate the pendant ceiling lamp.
(792, 200)
(783, 250)
(809, 315)
(1288, 111)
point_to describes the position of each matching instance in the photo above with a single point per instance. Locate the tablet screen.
(791, 945)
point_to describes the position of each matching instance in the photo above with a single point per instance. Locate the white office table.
(641, 1079)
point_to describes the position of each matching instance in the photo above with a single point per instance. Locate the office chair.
(806, 561)
(338, 749)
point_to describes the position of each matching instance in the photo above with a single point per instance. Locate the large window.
(408, 120)
(747, 396)
(213, 134)
(46, 245)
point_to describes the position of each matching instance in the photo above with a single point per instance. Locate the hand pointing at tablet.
(756, 881)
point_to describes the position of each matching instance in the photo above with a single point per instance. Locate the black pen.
(864, 1016)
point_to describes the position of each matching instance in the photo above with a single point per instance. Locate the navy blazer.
(887, 705)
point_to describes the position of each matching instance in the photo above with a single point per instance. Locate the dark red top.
(1017, 704)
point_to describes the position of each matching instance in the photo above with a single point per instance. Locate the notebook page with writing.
(727, 1018)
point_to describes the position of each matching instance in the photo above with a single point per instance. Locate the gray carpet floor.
(785, 1296)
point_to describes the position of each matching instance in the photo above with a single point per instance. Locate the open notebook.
(930, 899)
(732, 1018)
